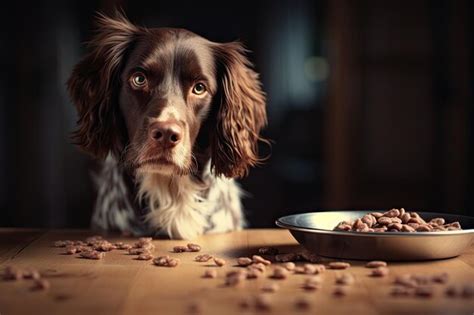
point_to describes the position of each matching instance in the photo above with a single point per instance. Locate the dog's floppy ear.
(240, 114)
(93, 81)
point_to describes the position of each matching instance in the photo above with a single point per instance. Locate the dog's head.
(153, 97)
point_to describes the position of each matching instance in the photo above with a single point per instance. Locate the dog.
(175, 118)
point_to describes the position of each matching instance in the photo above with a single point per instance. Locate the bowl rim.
(288, 226)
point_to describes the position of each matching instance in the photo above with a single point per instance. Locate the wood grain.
(119, 284)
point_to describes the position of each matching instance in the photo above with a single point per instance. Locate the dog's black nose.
(167, 133)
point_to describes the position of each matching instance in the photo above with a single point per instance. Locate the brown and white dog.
(176, 117)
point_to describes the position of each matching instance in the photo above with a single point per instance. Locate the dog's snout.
(166, 133)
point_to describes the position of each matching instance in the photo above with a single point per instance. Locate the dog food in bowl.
(396, 220)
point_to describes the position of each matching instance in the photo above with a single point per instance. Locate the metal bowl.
(314, 231)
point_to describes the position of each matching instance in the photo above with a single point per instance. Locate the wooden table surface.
(119, 284)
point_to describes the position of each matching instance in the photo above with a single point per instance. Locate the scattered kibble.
(345, 279)
(339, 265)
(270, 287)
(203, 258)
(166, 261)
(219, 262)
(210, 273)
(244, 261)
(380, 272)
(376, 264)
(194, 247)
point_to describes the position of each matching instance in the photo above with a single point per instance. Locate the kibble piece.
(440, 278)
(180, 249)
(340, 291)
(380, 272)
(279, 273)
(259, 266)
(407, 228)
(319, 268)
(145, 256)
(400, 291)
(424, 291)
(424, 228)
(121, 245)
(437, 221)
(31, 274)
(12, 273)
(310, 269)
(263, 302)
(104, 246)
(377, 214)
(313, 283)
(406, 280)
(395, 226)
(145, 240)
(138, 251)
(166, 261)
(59, 244)
(405, 218)
(343, 227)
(219, 262)
(194, 247)
(259, 259)
(268, 251)
(300, 270)
(421, 279)
(92, 254)
(70, 250)
(358, 224)
(93, 239)
(339, 265)
(210, 273)
(368, 219)
(384, 220)
(254, 273)
(203, 258)
(245, 303)
(453, 226)
(41, 284)
(173, 262)
(290, 266)
(452, 291)
(392, 213)
(244, 261)
(235, 278)
(161, 260)
(345, 279)
(376, 263)
(147, 246)
(302, 304)
(270, 287)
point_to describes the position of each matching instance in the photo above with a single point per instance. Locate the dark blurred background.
(370, 103)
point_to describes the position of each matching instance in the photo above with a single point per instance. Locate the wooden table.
(119, 284)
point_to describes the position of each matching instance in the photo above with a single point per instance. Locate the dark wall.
(365, 102)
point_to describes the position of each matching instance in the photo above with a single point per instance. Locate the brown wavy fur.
(241, 114)
(93, 86)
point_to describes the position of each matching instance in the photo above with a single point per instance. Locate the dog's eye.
(199, 89)
(138, 80)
